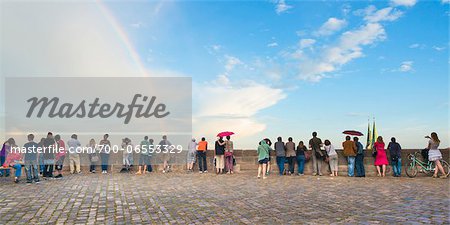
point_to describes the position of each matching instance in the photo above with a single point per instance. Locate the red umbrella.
(353, 133)
(225, 133)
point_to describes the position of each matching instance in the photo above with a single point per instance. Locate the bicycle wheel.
(446, 167)
(411, 170)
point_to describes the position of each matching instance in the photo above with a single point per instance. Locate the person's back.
(31, 151)
(290, 149)
(73, 144)
(229, 146)
(49, 153)
(315, 143)
(145, 147)
(202, 146)
(349, 148)
(433, 144)
(394, 149)
(280, 148)
(220, 149)
(263, 150)
(359, 147)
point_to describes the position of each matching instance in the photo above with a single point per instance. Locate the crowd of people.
(353, 151)
(43, 164)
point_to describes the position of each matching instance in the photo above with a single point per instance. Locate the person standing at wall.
(49, 156)
(315, 144)
(143, 156)
(31, 160)
(380, 159)
(165, 145)
(151, 148)
(435, 155)
(290, 155)
(280, 150)
(93, 155)
(263, 158)
(333, 158)
(229, 155)
(192, 149)
(105, 149)
(74, 154)
(270, 150)
(350, 152)
(201, 155)
(396, 160)
(219, 155)
(300, 154)
(359, 160)
(60, 155)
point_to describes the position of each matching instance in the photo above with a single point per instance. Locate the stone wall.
(247, 160)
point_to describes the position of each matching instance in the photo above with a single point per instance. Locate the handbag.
(374, 153)
(318, 154)
(94, 158)
(307, 155)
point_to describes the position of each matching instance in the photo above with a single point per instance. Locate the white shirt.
(330, 150)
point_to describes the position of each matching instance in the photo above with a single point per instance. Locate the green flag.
(369, 137)
(375, 133)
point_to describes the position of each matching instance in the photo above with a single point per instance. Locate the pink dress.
(381, 158)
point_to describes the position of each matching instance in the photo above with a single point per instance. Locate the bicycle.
(416, 165)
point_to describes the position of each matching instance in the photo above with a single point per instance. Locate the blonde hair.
(435, 138)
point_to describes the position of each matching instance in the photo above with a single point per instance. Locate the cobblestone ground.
(178, 198)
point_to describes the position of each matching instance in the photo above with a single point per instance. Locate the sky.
(259, 68)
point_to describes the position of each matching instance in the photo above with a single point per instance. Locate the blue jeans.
(31, 169)
(359, 162)
(351, 165)
(300, 163)
(397, 167)
(2, 160)
(105, 158)
(41, 164)
(281, 160)
(201, 155)
(18, 168)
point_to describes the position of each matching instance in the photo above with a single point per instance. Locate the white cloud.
(222, 79)
(331, 26)
(231, 62)
(437, 48)
(281, 6)
(406, 66)
(137, 25)
(407, 3)
(415, 45)
(273, 44)
(348, 48)
(232, 108)
(216, 47)
(213, 49)
(372, 15)
(306, 43)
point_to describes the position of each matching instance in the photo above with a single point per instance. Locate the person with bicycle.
(435, 155)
